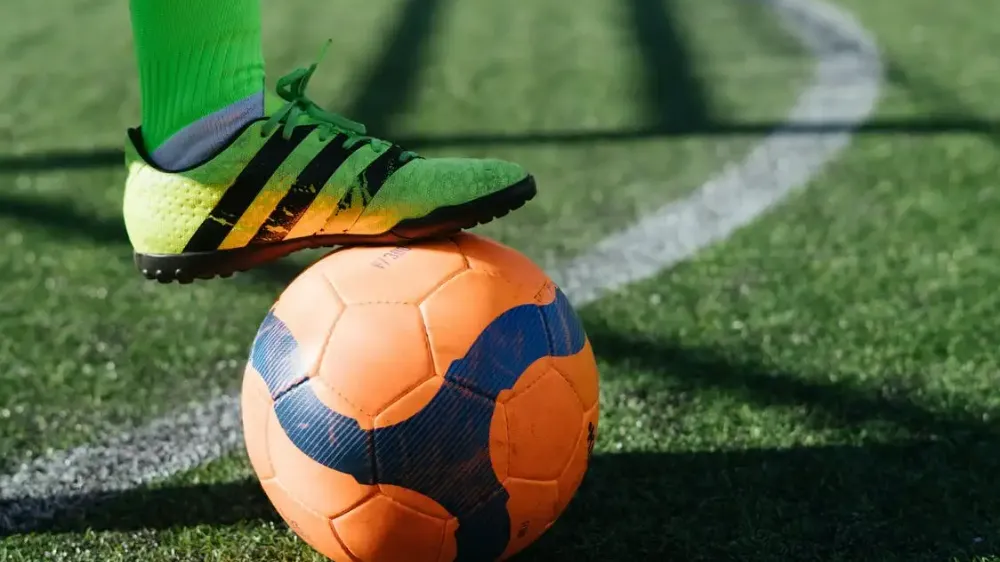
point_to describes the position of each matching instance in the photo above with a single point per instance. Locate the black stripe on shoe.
(373, 177)
(376, 174)
(304, 191)
(241, 194)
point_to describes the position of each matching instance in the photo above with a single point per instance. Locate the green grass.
(819, 387)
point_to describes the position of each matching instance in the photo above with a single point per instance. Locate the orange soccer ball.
(432, 403)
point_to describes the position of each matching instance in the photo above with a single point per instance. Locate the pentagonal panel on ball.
(391, 274)
(493, 258)
(532, 507)
(384, 530)
(376, 354)
(314, 528)
(543, 425)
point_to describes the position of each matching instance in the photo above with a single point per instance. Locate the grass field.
(820, 386)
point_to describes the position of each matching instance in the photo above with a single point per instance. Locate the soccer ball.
(430, 403)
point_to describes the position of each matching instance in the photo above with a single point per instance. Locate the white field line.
(844, 89)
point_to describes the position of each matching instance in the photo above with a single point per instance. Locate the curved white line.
(844, 90)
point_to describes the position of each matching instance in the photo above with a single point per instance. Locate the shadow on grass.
(932, 498)
(925, 126)
(674, 92)
(839, 403)
(390, 87)
(164, 507)
(914, 501)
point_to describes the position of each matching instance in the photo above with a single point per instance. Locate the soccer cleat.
(302, 178)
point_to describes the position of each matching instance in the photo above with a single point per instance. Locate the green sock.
(195, 58)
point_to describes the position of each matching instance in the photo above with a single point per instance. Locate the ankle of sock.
(198, 60)
(203, 139)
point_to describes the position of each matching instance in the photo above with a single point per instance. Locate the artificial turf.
(821, 386)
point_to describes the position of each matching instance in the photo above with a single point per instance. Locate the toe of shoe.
(425, 185)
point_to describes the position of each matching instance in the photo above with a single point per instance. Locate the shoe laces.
(292, 89)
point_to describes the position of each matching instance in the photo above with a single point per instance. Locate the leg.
(201, 73)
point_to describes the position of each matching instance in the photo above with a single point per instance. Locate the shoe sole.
(442, 222)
